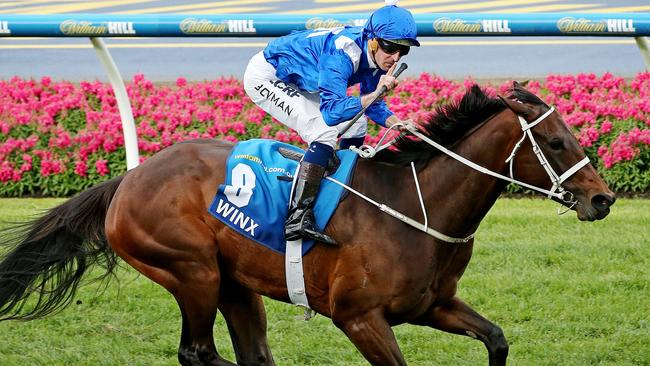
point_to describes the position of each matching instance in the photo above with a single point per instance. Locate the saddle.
(254, 198)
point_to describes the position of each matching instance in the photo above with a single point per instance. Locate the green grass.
(565, 293)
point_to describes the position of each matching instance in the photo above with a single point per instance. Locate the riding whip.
(383, 89)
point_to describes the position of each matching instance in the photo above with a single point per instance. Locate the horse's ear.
(515, 106)
(523, 84)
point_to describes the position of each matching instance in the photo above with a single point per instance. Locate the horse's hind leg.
(457, 317)
(189, 271)
(198, 298)
(246, 319)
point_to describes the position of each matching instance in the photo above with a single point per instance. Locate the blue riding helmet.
(393, 24)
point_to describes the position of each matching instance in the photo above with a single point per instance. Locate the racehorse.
(383, 273)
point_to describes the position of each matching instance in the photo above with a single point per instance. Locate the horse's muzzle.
(598, 207)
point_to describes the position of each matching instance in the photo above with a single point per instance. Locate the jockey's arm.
(335, 105)
(366, 99)
(379, 111)
(335, 70)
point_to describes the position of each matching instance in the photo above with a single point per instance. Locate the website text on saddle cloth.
(302, 79)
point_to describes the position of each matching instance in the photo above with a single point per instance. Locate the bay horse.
(382, 274)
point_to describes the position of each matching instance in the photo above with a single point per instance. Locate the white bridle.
(556, 179)
(563, 195)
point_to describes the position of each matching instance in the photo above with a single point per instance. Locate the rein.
(556, 179)
(400, 216)
(366, 151)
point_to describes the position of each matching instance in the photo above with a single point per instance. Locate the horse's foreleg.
(454, 316)
(373, 337)
(246, 319)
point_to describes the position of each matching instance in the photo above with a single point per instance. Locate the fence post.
(644, 46)
(123, 103)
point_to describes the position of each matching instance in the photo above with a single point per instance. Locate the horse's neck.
(459, 197)
(456, 197)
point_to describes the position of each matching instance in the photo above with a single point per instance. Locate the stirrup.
(308, 229)
(305, 228)
(318, 236)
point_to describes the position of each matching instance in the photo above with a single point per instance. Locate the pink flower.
(138, 78)
(181, 82)
(61, 140)
(6, 171)
(26, 166)
(606, 127)
(46, 81)
(81, 169)
(102, 167)
(602, 150)
(50, 167)
(588, 136)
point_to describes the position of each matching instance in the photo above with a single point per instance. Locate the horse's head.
(551, 157)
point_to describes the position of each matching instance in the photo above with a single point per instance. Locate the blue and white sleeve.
(378, 111)
(336, 106)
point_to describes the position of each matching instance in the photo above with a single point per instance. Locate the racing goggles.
(392, 48)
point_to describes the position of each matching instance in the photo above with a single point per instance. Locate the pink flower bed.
(58, 138)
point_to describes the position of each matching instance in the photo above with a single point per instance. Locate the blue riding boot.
(300, 220)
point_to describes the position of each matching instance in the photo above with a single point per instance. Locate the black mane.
(450, 123)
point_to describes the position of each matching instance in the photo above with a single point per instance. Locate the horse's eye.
(556, 144)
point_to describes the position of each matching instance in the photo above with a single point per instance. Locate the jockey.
(302, 79)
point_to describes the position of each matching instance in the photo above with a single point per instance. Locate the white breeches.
(295, 108)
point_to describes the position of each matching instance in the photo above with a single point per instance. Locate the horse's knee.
(496, 343)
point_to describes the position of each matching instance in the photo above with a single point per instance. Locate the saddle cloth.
(255, 203)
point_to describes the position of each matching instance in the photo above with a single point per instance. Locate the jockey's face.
(385, 58)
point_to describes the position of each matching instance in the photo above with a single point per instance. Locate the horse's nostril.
(612, 198)
(603, 201)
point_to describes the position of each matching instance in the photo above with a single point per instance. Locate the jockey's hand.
(403, 124)
(410, 124)
(388, 80)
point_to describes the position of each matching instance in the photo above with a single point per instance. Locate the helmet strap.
(373, 46)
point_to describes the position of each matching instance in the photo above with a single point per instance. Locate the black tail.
(49, 255)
